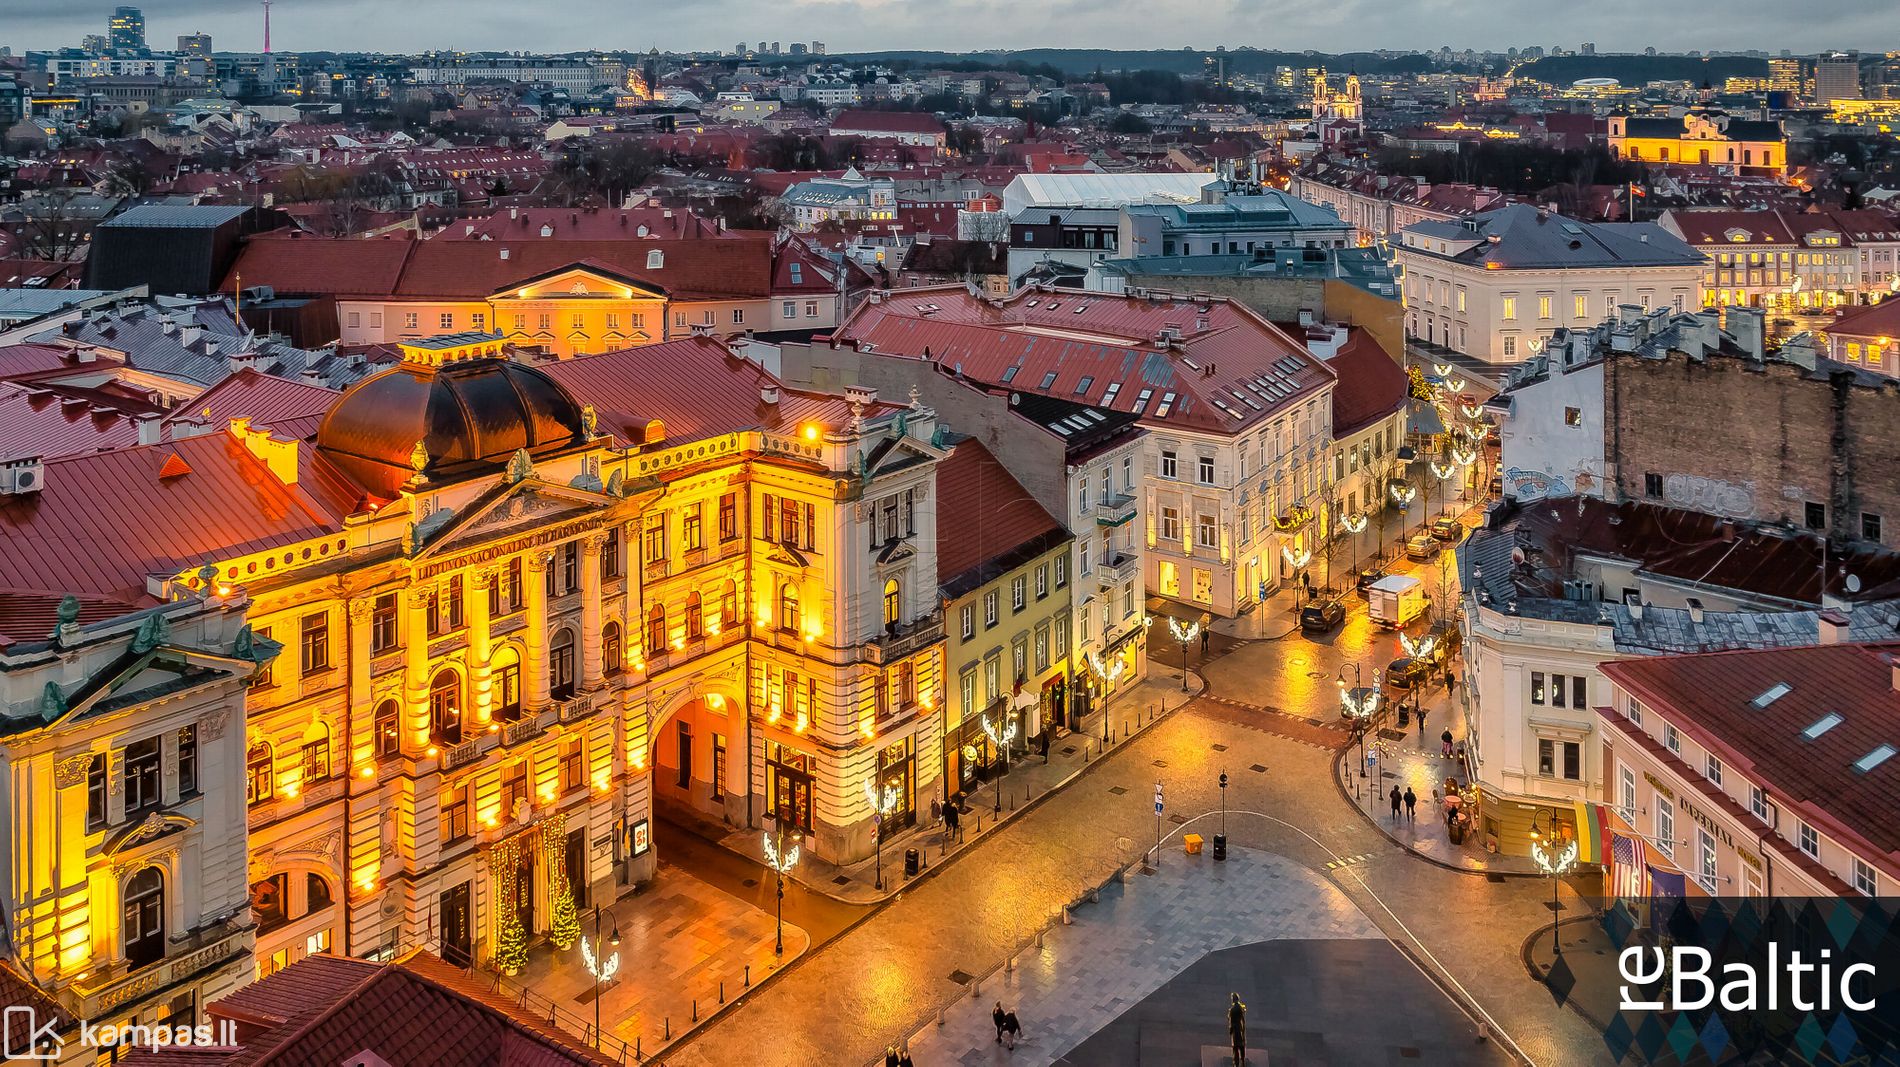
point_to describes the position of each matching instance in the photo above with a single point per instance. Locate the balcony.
(899, 640)
(1115, 511)
(1117, 569)
(113, 987)
(466, 752)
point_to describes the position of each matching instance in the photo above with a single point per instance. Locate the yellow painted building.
(1711, 138)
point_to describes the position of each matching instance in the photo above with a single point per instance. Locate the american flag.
(1623, 850)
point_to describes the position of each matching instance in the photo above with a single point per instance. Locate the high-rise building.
(1785, 76)
(1837, 77)
(818, 48)
(195, 44)
(1589, 48)
(798, 48)
(126, 31)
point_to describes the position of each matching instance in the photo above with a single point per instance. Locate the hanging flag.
(1637, 190)
(1589, 832)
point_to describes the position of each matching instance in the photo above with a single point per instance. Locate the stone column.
(480, 646)
(415, 667)
(360, 738)
(591, 667)
(535, 636)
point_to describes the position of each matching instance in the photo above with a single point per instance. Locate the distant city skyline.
(971, 25)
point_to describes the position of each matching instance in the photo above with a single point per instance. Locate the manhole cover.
(1316, 674)
(1178, 820)
(1390, 734)
(1220, 748)
(962, 977)
(1498, 878)
(1068, 750)
(1258, 768)
(1161, 763)
(750, 883)
(841, 880)
(1118, 790)
(1145, 869)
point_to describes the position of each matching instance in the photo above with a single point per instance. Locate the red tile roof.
(1231, 369)
(1006, 525)
(892, 122)
(697, 386)
(265, 399)
(416, 1011)
(105, 521)
(18, 360)
(581, 224)
(1713, 698)
(1371, 386)
(40, 422)
(1879, 320)
(738, 265)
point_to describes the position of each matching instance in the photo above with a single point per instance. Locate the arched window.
(893, 599)
(695, 618)
(388, 730)
(445, 708)
(656, 630)
(317, 895)
(261, 780)
(613, 649)
(788, 607)
(729, 605)
(504, 681)
(144, 926)
(561, 666)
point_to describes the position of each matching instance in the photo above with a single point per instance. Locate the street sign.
(1158, 803)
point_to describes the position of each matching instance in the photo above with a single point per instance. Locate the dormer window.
(655, 259)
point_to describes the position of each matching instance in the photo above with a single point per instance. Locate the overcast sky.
(847, 25)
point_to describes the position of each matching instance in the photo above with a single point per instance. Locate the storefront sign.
(642, 839)
(510, 547)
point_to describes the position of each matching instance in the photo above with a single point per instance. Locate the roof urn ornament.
(419, 457)
(520, 465)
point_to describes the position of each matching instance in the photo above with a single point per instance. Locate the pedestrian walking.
(1237, 1029)
(1411, 805)
(890, 1056)
(1206, 636)
(1445, 740)
(1012, 1030)
(1045, 744)
(1421, 721)
(998, 1016)
(1396, 801)
(952, 822)
(1451, 682)
(903, 1055)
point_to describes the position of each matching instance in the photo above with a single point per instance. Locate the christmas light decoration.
(1296, 560)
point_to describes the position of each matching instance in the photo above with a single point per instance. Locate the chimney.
(504, 253)
(768, 393)
(1745, 325)
(150, 429)
(1695, 611)
(1833, 627)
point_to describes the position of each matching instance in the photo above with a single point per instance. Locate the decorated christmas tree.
(565, 927)
(511, 945)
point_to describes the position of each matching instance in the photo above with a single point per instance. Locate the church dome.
(445, 422)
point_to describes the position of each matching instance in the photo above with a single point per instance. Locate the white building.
(1236, 225)
(1493, 285)
(573, 75)
(807, 205)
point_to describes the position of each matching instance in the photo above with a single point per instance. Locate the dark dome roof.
(470, 416)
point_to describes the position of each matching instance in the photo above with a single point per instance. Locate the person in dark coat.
(1045, 743)
(1421, 723)
(1445, 739)
(1411, 805)
(1396, 801)
(890, 1056)
(998, 1017)
(1237, 1029)
(903, 1056)
(1012, 1030)
(952, 822)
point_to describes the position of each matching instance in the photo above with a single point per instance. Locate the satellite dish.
(1853, 583)
(1517, 555)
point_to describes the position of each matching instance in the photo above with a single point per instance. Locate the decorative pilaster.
(415, 666)
(362, 726)
(480, 644)
(535, 670)
(591, 672)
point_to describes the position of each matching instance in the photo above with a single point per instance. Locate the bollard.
(976, 990)
(1067, 919)
(1009, 965)
(1124, 729)
(668, 1034)
(722, 992)
(748, 976)
(695, 1009)
(1095, 896)
(1038, 938)
(636, 1048)
(939, 1015)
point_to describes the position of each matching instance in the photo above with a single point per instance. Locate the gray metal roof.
(20, 305)
(176, 216)
(1521, 236)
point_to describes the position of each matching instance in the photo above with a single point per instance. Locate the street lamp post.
(1001, 739)
(883, 802)
(1555, 858)
(1361, 704)
(1184, 634)
(781, 861)
(1296, 561)
(1354, 524)
(1108, 673)
(602, 970)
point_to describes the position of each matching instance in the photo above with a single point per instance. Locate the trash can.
(1220, 846)
(910, 863)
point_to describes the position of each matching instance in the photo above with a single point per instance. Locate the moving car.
(1364, 579)
(1448, 529)
(1322, 616)
(1422, 546)
(1406, 673)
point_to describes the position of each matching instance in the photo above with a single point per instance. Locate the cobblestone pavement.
(1143, 934)
(884, 978)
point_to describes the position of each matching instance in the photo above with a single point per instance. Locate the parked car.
(1364, 579)
(1405, 673)
(1322, 616)
(1448, 529)
(1422, 546)
(1449, 638)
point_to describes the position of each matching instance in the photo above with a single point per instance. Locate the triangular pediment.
(529, 505)
(580, 282)
(898, 453)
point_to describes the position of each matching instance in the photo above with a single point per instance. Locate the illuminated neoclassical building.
(518, 608)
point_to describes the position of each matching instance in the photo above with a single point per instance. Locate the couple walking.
(1408, 799)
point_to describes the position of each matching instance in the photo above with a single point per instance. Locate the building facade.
(1707, 138)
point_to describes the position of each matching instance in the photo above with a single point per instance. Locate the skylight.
(1109, 397)
(1141, 402)
(1874, 759)
(1776, 692)
(1083, 386)
(1010, 374)
(1048, 380)
(1161, 409)
(1822, 725)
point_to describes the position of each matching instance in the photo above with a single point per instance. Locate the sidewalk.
(1029, 779)
(686, 949)
(1407, 757)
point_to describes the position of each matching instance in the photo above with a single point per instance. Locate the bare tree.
(51, 227)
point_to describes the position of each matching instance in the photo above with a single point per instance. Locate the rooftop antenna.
(267, 4)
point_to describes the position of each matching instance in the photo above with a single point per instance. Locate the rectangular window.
(728, 516)
(1573, 417)
(1652, 485)
(409, 320)
(1537, 687)
(1866, 880)
(1816, 516)
(455, 815)
(574, 767)
(316, 642)
(382, 625)
(187, 760)
(1206, 533)
(1207, 470)
(609, 554)
(1869, 526)
(1758, 802)
(655, 549)
(1809, 840)
(1017, 593)
(1581, 306)
(1626, 793)
(1557, 691)
(1510, 309)
(316, 760)
(1671, 739)
(96, 809)
(1510, 345)
(1042, 582)
(1062, 571)
(738, 316)
(1169, 463)
(1705, 859)
(446, 320)
(1170, 524)
(141, 759)
(1665, 826)
(966, 617)
(691, 537)
(811, 309)
(789, 309)
(989, 609)
(1712, 769)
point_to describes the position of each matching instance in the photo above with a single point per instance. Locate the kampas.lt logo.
(26, 1038)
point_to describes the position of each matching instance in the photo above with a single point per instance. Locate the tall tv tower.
(267, 4)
